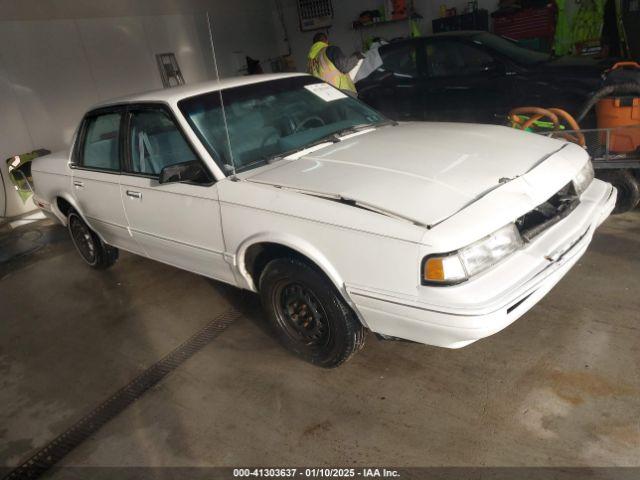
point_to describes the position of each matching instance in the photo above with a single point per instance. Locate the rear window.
(511, 49)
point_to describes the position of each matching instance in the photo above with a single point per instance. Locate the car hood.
(423, 172)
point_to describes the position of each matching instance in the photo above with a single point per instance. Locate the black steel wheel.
(307, 314)
(300, 314)
(93, 251)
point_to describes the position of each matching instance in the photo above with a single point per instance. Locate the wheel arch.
(255, 252)
(62, 204)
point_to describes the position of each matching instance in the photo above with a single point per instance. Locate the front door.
(177, 223)
(396, 87)
(96, 177)
(465, 83)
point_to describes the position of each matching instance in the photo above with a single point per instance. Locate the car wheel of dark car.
(93, 251)
(628, 189)
(308, 315)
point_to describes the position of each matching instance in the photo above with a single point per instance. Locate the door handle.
(133, 194)
(78, 184)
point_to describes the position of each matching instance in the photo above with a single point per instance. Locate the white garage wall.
(12, 135)
(58, 57)
(50, 79)
(346, 11)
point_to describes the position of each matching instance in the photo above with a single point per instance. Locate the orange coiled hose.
(554, 115)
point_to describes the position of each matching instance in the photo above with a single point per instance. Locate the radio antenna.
(224, 113)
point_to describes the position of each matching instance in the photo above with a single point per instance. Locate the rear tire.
(308, 315)
(628, 189)
(92, 250)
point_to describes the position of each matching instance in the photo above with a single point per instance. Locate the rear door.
(176, 223)
(95, 175)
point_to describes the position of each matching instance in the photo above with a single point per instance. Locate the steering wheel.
(269, 136)
(316, 119)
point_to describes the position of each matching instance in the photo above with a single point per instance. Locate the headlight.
(584, 178)
(459, 266)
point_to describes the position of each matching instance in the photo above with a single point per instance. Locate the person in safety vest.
(328, 63)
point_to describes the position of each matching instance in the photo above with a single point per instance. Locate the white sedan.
(341, 219)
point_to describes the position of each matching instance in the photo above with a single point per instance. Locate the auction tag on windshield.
(325, 91)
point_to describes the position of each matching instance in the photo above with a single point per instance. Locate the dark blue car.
(474, 77)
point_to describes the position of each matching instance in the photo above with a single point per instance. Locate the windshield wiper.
(330, 138)
(354, 129)
(364, 126)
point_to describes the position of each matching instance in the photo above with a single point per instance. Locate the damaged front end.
(547, 214)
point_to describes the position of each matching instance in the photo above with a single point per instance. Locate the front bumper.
(456, 316)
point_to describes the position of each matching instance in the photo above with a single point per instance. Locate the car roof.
(455, 34)
(174, 94)
(459, 33)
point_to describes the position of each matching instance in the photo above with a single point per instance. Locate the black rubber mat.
(54, 451)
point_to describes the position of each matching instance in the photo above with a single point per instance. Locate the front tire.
(308, 315)
(92, 250)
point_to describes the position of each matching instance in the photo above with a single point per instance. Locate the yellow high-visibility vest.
(320, 66)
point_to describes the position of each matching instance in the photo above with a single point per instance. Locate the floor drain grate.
(53, 452)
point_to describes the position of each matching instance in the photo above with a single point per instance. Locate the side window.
(476, 60)
(446, 59)
(156, 142)
(101, 146)
(400, 58)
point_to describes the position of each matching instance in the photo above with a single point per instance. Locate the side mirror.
(184, 172)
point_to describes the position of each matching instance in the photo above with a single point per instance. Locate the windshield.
(268, 119)
(510, 49)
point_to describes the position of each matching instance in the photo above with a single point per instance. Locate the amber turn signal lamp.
(434, 270)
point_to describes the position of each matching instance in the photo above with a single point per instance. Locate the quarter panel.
(52, 178)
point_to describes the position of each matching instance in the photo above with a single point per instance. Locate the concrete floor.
(560, 387)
